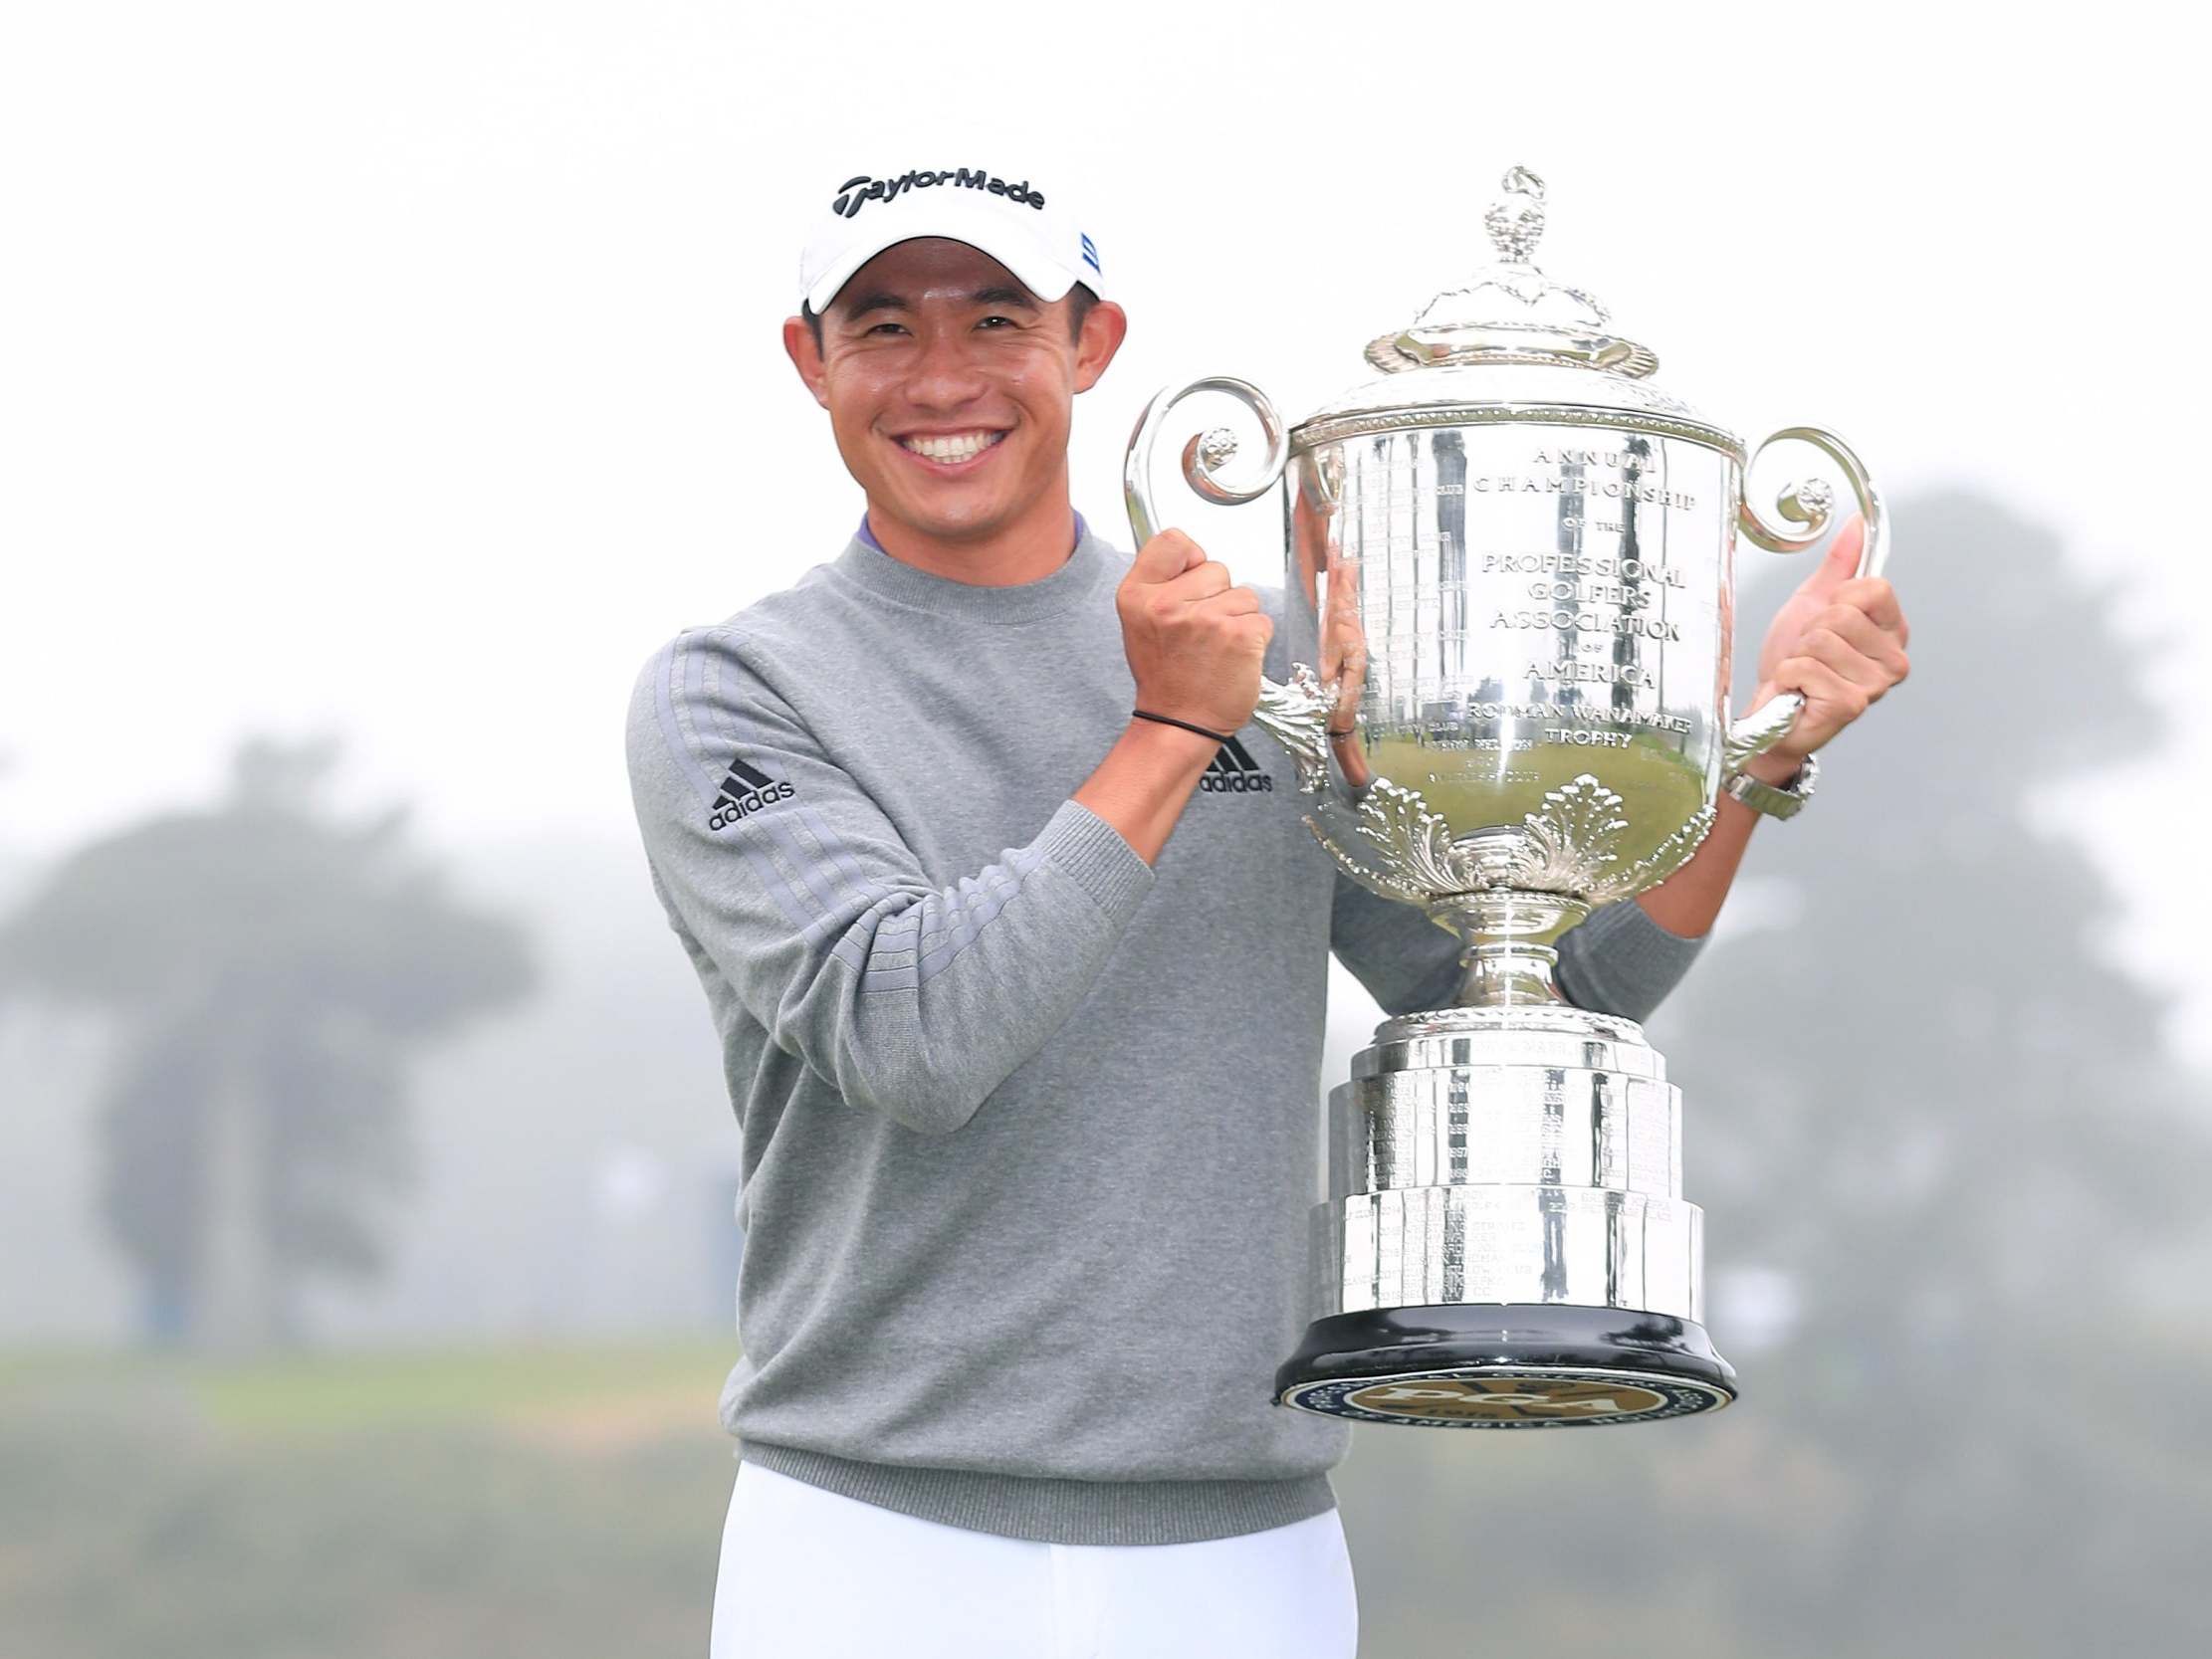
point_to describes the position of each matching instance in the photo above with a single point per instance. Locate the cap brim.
(986, 232)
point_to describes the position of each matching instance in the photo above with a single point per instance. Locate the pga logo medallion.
(1505, 1400)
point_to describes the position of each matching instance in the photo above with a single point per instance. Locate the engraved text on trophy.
(1538, 611)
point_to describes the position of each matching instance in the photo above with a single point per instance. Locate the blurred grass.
(566, 1502)
(349, 1392)
(546, 1500)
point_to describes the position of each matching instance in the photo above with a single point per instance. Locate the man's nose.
(946, 373)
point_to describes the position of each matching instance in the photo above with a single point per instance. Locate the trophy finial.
(1510, 311)
(1516, 226)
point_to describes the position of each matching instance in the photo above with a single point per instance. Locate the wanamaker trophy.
(1511, 558)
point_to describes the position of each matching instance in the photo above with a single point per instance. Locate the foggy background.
(381, 385)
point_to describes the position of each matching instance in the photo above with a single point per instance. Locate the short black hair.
(1080, 300)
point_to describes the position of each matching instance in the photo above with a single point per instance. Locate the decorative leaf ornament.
(1570, 840)
(1570, 846)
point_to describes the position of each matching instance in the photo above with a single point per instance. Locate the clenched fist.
(1193, 642)
(1840, 643)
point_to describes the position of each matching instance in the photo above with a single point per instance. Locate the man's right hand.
(1195, 643)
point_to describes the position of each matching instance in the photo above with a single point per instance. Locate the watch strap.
(1783, 802)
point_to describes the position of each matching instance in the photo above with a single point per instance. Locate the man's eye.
(895, 328)
(987, 322)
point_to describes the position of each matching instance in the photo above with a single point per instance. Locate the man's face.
(950, 386)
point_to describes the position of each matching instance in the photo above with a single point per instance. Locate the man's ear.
(1104, 327)
(806, 357)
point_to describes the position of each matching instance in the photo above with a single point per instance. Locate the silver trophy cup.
(1509, 593)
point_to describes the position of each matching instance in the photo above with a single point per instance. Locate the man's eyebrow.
(1004, 295)
(878, 303)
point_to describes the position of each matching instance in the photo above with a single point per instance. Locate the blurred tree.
(268, 964)
(1940, 1105)
(1925, 1093)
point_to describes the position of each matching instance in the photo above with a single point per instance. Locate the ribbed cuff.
(1059, 1510)
(1084, 845)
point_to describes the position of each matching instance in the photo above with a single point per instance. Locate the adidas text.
(1233, 771)
(729, 809)
(1237, 783)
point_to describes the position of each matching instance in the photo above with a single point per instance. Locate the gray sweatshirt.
(1028, 1127)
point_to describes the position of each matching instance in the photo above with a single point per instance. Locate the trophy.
(1511, 559)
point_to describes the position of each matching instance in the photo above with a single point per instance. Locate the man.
(1026, 1089)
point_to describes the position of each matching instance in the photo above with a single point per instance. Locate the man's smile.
(947, 451)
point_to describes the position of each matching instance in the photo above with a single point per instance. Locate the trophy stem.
(1509, 935)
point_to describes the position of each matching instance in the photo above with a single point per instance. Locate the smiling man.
(1029, 1094)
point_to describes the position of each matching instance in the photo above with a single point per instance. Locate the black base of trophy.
(1505, 1366)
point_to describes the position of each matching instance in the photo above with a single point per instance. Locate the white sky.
(412, 369)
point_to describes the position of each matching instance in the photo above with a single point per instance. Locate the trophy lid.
(1511, 313)
(1512, 343)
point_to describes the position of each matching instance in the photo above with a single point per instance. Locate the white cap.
(1014, 220)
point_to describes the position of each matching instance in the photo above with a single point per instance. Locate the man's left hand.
(1840, 643)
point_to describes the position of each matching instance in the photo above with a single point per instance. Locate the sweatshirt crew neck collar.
(868, 567)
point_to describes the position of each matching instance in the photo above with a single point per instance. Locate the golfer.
(1018, 970)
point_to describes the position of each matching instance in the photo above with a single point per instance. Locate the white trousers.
(810, 1575)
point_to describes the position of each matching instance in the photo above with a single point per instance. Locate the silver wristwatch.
(1765, 797)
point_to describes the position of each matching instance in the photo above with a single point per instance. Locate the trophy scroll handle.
(1296, 713)
(1808, 503)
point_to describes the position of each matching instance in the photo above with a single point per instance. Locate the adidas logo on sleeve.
(746, 789)
(1232, 771)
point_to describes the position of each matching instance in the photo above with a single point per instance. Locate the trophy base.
(1505, 1366)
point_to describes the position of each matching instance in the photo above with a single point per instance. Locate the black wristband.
(1170, 720)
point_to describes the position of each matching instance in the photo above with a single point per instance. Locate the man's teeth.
(959, 447)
